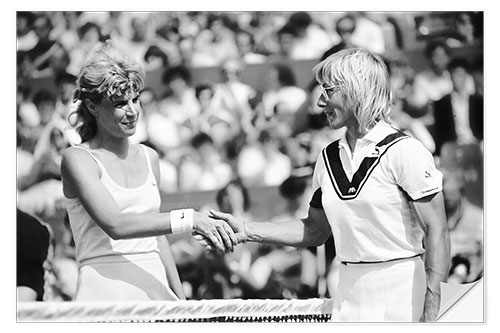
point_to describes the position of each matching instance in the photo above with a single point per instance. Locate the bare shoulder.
(75, 159)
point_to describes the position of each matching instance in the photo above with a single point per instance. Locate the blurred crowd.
(229, 136)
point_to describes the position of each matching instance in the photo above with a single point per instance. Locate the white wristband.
(181, 220)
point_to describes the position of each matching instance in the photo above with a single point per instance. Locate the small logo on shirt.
(376, 152)
(351, 190)
(427, 174)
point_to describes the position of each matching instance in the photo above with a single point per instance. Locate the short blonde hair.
(362, 80)
(108, 72)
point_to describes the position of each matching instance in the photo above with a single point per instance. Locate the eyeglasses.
(328, 91)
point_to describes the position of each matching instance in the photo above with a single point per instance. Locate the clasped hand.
(219, 232)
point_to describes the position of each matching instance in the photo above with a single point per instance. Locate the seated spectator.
(27, 113)
(402, 77)
(139, 39)
(26, 38)
(286, 36)
(344, 27)
(168, 39)
(66, 29)
(45, 101)
(33, 240)
(465, 223)
(179, 102)
(40, 191)
(232, 96)
(433, 83)
(203, 170)
(369, 32)
(246, 47)
(161, 128)
(262, 163)
(65, 86)
(310, 40)
(458, 116)
(282, 98)
(216, 123)
(155, 59)
(24, 158)
(40, 54)
(90, 35)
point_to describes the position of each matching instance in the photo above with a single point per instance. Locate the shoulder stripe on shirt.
(348, 190)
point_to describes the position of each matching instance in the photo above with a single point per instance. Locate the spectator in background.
(155, 59)
(24, 158)
(66, 29)
(215, 44)
(246, 47)
(168, 39)
(46, 102)
(345, 28)
(161, 128)
(65, 85)
(282, 98)
(465, 222)
(458, 116)
(232, 96)
(286, 35)
(223, 46)
(309, 40)
(44, 49)
(203, 170)
(402, 77)
(90, 36)
(33, 240)
(139, 40)
(28, 116)
(40, 191)
(26, 38)
(217, 124)
(262, 163)
(179, 101)
(434, 83)
(369, 33)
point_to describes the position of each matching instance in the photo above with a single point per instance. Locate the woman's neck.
(352, 135)
(117, 146)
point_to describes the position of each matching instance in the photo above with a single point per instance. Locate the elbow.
(113, 230)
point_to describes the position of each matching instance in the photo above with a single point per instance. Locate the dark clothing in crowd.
(444, 124)
(32, 248)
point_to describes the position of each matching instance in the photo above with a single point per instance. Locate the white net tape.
(234, 310)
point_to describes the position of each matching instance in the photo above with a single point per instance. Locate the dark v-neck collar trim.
(348, 190)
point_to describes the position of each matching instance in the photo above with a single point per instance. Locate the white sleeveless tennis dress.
(119, 270)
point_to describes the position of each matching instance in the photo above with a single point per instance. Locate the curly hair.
(107, 73)
(363, 82)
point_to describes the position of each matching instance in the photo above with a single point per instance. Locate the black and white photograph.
(293, 166)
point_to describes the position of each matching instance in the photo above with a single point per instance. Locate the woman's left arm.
(431, 213)
(167, 258)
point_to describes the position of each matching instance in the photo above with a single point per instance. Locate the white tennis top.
(90, 240)
(366, 195)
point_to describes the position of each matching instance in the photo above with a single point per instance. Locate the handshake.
(218, 232)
